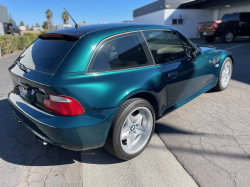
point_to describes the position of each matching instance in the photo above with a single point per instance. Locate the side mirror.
(193, 53)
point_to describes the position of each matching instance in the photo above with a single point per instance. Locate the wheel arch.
(151, 98)
(231, 57)
(233, 30)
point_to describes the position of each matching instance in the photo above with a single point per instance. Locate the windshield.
(46, 55)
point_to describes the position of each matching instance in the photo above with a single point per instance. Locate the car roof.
(83, 30)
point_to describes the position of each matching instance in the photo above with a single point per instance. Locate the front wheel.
(131, 129)
(225, 75)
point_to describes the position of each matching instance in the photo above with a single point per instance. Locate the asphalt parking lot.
(205, 143)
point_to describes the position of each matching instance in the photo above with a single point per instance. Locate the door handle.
(173, 75)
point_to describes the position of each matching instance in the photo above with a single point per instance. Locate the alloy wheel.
(226, 74)
(136, 130)
(229, 37)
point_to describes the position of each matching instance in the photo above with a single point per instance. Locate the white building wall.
(191, 18)
(3, 14)
(216, 14)
(234, 8)
(153, 18)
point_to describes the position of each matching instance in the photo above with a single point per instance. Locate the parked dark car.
(105, 85)
(11, 28)
(230, 26)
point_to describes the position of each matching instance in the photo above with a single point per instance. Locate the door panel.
(191, 77)
(183, 75)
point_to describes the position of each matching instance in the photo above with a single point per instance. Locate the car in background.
(230, 26)
(11, 28)
(107, 84)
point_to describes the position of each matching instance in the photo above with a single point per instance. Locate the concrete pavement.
(156, 166)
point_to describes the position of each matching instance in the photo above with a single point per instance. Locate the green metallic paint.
(86, 131)
(102, 94)
(106, 89)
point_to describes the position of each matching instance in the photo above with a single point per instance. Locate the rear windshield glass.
(230, 17)
(45, 55)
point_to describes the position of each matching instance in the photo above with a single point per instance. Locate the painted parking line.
(233, 47)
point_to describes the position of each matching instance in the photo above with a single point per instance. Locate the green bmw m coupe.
(105, 85)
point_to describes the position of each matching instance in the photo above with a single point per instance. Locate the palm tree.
(65, 17)
(49, 15)
(21, 23)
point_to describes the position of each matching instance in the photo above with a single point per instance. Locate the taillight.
(63, 105)
(215, 25)
(9, 27)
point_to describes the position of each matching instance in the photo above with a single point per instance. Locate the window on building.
(177, 21)
(174, 21)
(120, 52)
(180, 21)
(165, 46)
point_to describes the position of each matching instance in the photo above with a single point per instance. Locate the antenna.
(76, 25)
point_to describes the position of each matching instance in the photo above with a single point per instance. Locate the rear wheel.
(12, 32)
(131, 129)
(210, 39)
(225, 75)
(228, 37)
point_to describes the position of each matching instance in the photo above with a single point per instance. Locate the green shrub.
(11, 43)
(33, 36)
(42, 32)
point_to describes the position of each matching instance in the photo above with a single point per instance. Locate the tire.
(19, 33)
(228, 37)
(210, 39)
(12, 33)
(221, 85)
(139, 133)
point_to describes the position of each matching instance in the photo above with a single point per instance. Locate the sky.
(91, 11)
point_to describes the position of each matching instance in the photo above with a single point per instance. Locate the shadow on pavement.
(99, 156)
(164, 130)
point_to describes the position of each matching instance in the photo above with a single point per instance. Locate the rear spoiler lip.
(78, 36)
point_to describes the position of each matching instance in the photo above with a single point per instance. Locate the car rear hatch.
(38, 64)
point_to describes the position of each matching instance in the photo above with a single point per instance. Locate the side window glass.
(245, 16)
(120, 52)
(188, 47)
(165, 46)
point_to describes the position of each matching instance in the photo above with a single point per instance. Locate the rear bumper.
(209, 33)
(86, 131)
(204, 34)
